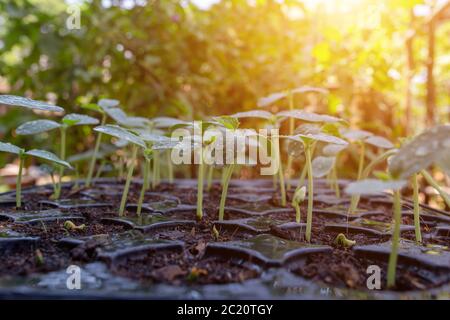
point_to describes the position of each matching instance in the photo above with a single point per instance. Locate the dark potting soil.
(173, 248)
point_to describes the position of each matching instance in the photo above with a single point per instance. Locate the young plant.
(137, 142)
(40, 126)
(100, 108)
(289, 94)
(333, 150)
(41, 154)
(197, 143)
(362, 138)
(430, 147)
(297, 200)
(371, 187)
(308, 139)
(155, 144)
(231, 125)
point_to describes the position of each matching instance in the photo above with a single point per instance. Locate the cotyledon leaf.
(10, 148)
(166, 122)
(265, 101)
(79, 119)
(333, 149)
(379, 142)
(48, 156)
(373, 186)
(322, 165)
(11, 100)
(308, 116)
(352, 134)
(36, 126)
(431, 146)
(317, 137)
(121, 133)
(254, 114)
(108, 103)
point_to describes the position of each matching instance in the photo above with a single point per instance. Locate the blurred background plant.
(386, 63)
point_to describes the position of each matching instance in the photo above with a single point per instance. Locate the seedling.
(39, 258)
(370, 187)
(103, 105)
(297, 200)
(362, 138)
(215, 233)
(430, 147)
(341, 240)
(289, 94)
(333, 150)
(198, 144)
(41, 154)
(137, 142)
(40, 126)
(308, 139)
(70, 226)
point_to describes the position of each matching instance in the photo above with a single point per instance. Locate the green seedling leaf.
(379, 142)
(121, 133)
(266, 101)
(148, 154)
(430, 147)
(120, 143)
(355, 135)
(75, 119)
(166, 122)
(37, 126)
(229, 122)
(331, 150)
(373, 186)
(308, 116)
(105, 149)
(382, 175)
(254, 114)
(317, 137)
(121, 118)
(28, 103)
(10, 148)
(152, 137)
(46, 155)
(93, 107)
(322, 166)
(165, 145)
(108, 103)
(299, 195)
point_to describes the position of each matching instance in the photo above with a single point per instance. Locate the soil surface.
(168, 245)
